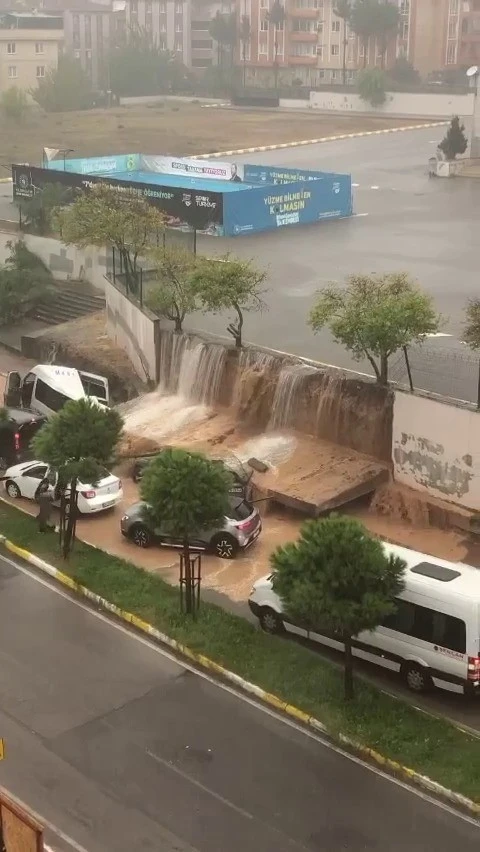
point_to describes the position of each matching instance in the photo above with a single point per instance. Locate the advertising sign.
(185, 210)
(97, 165)
(209, 169)
(277, 174)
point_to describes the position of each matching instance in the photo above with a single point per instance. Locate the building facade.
(30, 45)
(167, 21)
(203, 49)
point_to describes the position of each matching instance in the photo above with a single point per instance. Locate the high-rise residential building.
(203, 49)
(30, 45)
(167, 21)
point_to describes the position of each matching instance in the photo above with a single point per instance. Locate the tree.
(403, 73)
(103, 216)
(78, 443)
(185, 494)
(38, 212)
(455, 142)
(223, 30)
(276, 18)
(64, 88)
(371, 84)
(337, 577)
(173, 294)
(471, 333)
(14, 105)
(343, 10)
(227, 283)
(387, 25)
(374, 316)
(244, 34)
(139, 67)
(24, 282)
(363, 22)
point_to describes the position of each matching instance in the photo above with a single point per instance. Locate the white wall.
(132, 330)
(65, 261)
(436, 448)
(398, 103)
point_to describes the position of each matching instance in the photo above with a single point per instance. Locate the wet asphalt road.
(123, 749)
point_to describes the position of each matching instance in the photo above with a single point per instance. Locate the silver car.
(240, 529)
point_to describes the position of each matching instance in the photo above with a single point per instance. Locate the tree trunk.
(344, 59)
(275, 63)
(187, 567)
(383, 370)
(178, 325)
(244, 60)
(238, 337)
(71, 521)
(348, 671)
(365, 51)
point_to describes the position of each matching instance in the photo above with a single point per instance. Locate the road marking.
(355, 184)
(374, 187)
(358, 216)
(439, 334)
(239, 695)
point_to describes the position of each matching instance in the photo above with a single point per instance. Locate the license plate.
(108, 505)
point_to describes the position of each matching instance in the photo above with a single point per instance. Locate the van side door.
(12, 395)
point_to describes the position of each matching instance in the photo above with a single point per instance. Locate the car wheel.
(417, 677)
(13, 490)
(141, 536)
(224, 546)
(270, 621)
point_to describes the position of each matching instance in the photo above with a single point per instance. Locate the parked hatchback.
(240, 529)
(22, 480)
(18, 426)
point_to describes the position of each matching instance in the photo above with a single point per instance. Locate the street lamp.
(473, 74)
(64, 152)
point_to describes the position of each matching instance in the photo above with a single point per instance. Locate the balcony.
(300, 35)
(302, 60)
(306, 14)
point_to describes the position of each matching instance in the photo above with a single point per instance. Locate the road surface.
(121, 748)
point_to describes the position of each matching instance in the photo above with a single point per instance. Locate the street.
(122, 748)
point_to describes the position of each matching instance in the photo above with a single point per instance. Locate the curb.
(5, 180)
(322, 139)
(268, 698)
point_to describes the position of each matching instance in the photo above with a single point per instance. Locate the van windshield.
(50, 398)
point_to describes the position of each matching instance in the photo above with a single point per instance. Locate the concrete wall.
(65, 261)
(133, 330)
(397, 104)
(436, 448)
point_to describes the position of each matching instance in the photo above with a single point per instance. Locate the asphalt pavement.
(122, 748)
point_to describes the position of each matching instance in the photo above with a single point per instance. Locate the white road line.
(374, 187)
(415, 791)
(355, 184)
(359, 216)
(439, 334)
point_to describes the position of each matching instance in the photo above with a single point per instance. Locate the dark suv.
(17, 428)
(240, 475)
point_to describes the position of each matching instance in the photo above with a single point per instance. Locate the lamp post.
(64, 152)
(473, 74)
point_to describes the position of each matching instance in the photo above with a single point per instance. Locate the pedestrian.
(44, 496)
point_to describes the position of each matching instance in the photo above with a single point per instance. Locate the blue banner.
(268, 207)
(97, 165)
(277, 174)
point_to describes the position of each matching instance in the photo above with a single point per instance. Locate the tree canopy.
(276, 17)
(471, 331)
(230, 283)
(38, 212)
(343, 10)
(66, 87)
(104, 216)
(14, 105)
(223, 30)
(173, 292)
(337, 577)
(139, 67)
(373, 19)
(24, 282)
(455, 141)
(374, 316)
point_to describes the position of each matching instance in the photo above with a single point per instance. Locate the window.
(39, 47)
(304, 49)
(404, 7)
(178, 8)
(48, 396)
(264, 26)
(454, 7)
(88, 31)
(12, 72)
(40, 72)
(452, 28)
(11, 48)
(428, 625)
(303, 26)
(163, 43)
(451, 53)
(320, 50)
(263, 4)
(162, 8)
(178, 27)
(133, 8)
(76, 54)
(279, 26)
(202, 44)
(404, 31)
(335, 49)
(320, 27)
(335, 26)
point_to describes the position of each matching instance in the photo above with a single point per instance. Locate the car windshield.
(240, 511)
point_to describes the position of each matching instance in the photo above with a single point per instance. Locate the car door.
(12, 396)
(30, 479)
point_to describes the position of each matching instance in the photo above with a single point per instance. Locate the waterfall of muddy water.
(272, 450)
(287, 395)
(329, 410)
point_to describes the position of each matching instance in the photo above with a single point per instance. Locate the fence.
(452, 372)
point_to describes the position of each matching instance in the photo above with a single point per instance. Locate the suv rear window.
(240, 511)
(27, 431)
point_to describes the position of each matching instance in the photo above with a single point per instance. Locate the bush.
(24, 282)
(14, 105)
(65, 88)
(372, 85)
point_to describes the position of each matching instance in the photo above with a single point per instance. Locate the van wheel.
(417, 677)
(141, 536)
(224, 546)
(270, 621)
(13, 490)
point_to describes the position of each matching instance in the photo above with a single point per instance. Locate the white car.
(22, 480)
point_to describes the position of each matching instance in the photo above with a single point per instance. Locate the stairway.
(69, 302)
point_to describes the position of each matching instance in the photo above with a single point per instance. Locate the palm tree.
(276, 18)
(244, 35)
(343, 10)
(364, 22)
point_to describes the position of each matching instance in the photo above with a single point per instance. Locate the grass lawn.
(433, 747)
(172, 128)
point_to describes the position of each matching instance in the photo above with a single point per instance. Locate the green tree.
(139, 67)
(230, 283)
(38, 212)
(403, 73)
(25, 281)
(371, 83)
(387, 25)
(471, 333)
(276, 18)
(78, 443)
(244, 35)
(374, 316)
(14, 105)
(173, 293)
(454, 142)
(105, 217)
(185, 494)
(64, 88)
(343, 10)
(223, 30)
(337, 577)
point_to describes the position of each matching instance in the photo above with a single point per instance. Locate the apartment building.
(168, 22)
(30, 45)
(203, 49)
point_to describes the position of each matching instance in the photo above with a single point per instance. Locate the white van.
(432, 638)
(47, 387)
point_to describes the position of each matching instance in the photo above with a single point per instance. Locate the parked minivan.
(47, 387)
(433, 637)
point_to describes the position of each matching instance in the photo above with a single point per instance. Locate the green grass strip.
(433, 747)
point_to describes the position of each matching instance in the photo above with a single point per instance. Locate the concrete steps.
(68, 303)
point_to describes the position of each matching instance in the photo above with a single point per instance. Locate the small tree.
(67, 87)
(185, 494)
(337, 577)
(371, 84)
(276, 18)
(244, 34)
(37, 212)
(173, 295)
(455, 142)
(343, 10)
(24, 282)
(103, 216)
(374, 316)
(229, 283)
(78, 443)
(471, 333)
(14, 105)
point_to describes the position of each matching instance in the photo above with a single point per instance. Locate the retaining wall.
(134, 330)
(400, 104)
(66, 262)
